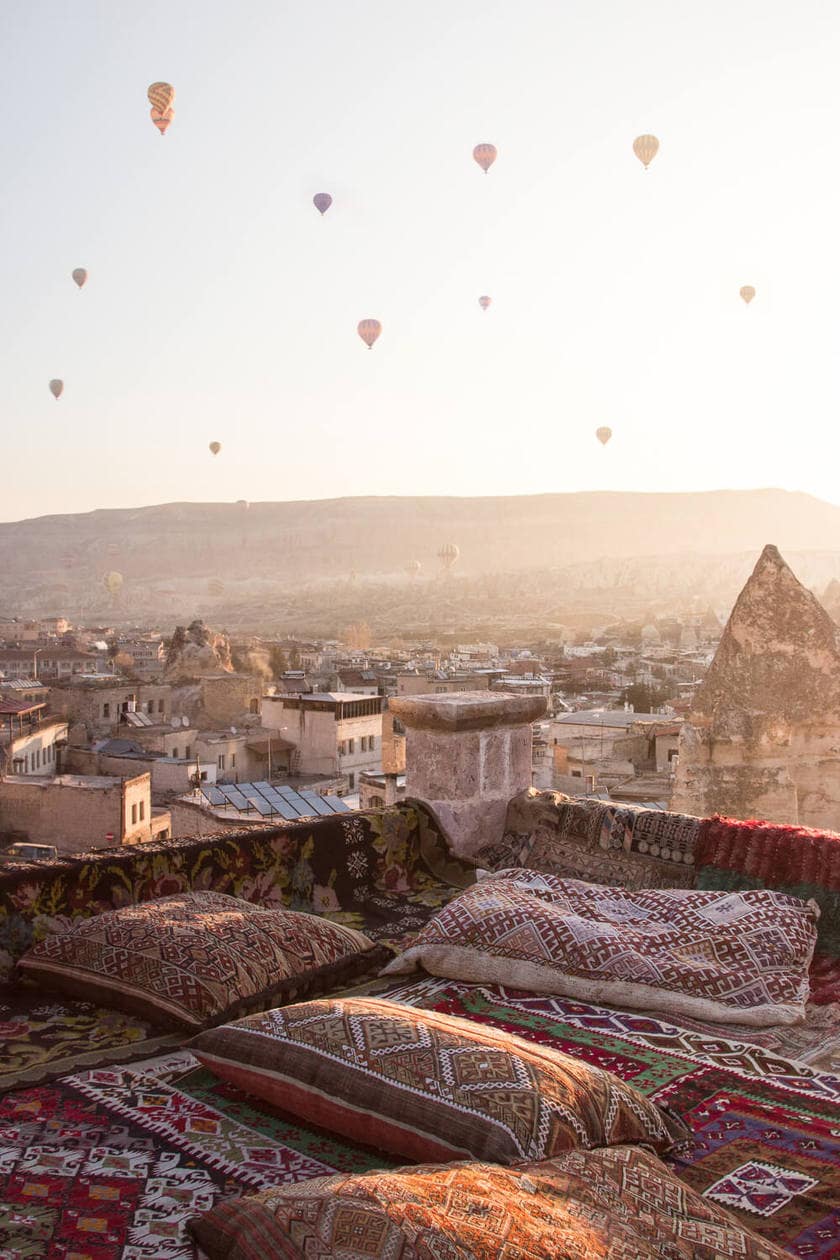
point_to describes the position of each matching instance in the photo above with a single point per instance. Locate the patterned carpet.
(111, 1162)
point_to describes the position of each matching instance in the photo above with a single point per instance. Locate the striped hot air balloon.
(161, 96)
(485, 155)
(646, 149)
(369, 330)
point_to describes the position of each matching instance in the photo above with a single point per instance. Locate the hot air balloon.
(603, 435)
(747, 293)
(215, 447)
(646, 149)
(485, 155)
(56, 389)
(414, 568)
(162, 121)
(448, 554)
(80, 276)
(161, 96)
(369, 330)
(484, 302)
(113, 583)
(322, 202)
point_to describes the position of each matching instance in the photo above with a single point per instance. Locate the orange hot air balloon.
(369, 330)
(747, 293)
(646, 149)
(215, 447)
(603, 435)
(161, 95)
(485, 155)
(80, 276)
(484, 302)
(162, 120)
(322, 202)
(56, 389)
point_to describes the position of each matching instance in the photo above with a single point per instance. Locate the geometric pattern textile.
(710, 955)
(617, 1204)
(593, 841)
(382, 872)
(743, 1104)
(195, 958)
(426, 1086)
(139, 1143)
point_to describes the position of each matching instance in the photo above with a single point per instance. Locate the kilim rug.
(111, 1162)
(766, 1129)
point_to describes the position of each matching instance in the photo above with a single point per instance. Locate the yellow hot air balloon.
(369, 330)
(484, 302)
(161, 96)
(215, 447)
(485, 155)
(113, 583)
(80, 276)
(603, 435)
(56, 389)
(747, 293)
(646, 149)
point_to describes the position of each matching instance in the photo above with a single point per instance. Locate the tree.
(176, 644)
(643, 698)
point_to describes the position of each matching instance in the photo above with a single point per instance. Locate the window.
(134, 815)
(254, 705)
(342, 748)
(221, 761)
(352, 780)
(160, 706)
(188, 751)
(106, 710)
(372, 743)
(150, 706)
(576, 774)
(351, 745)
(142, 810)
(174, 752)
(233, 761)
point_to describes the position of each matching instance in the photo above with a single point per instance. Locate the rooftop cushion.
(427, 1086)
(713, 955)
(197, 958)
(621, 1203)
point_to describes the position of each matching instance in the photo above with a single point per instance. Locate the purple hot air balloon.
(322, 202)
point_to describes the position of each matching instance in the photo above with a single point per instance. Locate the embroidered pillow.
(724, 956)
(198, 958)
(616, 1204)
(426, 1086)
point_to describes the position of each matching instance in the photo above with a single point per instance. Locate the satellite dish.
(233, 730)
(175, 723)
(185, 721)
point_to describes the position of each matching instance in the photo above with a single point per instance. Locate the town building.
(80, 812)
(30, 740)
(332, 733)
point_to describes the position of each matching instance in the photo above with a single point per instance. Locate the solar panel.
(213, 795)
(263, 808)
(264, 787)
(249, 789)
(236, 798)
(337, 805)
(285, 810)
(313, 799)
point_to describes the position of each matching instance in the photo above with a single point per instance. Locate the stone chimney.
(763, 739)
(467, 754)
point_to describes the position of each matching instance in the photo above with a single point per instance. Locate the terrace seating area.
(603, 1023)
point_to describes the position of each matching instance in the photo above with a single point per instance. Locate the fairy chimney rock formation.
(763, 739)
(831, 600)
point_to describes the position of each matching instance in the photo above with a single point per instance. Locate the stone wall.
(72, 816)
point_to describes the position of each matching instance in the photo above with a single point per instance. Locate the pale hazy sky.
(220, 305)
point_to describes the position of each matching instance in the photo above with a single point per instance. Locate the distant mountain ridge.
(602, 538)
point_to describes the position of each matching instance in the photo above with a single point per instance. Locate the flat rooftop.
(84, 782)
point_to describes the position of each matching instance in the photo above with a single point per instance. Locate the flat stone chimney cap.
(467, 710)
